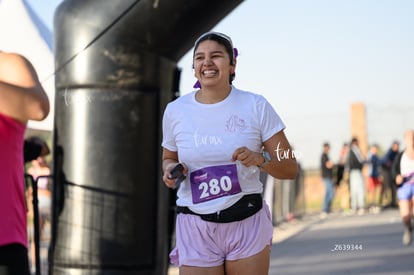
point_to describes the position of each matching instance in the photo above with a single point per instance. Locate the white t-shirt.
(407, 168)
(206, 135)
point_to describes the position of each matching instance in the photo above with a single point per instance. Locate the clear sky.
(313, 58)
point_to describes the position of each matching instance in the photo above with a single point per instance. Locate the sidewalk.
(286, 230)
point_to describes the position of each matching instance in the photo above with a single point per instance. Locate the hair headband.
(219, 34)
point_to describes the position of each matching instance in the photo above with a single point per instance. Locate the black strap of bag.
(247, 206)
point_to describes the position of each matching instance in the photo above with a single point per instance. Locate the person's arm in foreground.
(22, 97)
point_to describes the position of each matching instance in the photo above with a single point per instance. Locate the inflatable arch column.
(116, 69)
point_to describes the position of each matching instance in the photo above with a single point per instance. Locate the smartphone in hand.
(177, 173)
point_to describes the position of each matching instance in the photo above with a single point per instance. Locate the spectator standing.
(341, 163)
(354, 164)
(374, 181)
(342, 178)
(388, 180)
(40, 172)
(327, 178)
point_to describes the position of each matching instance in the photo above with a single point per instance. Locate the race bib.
(213, 182)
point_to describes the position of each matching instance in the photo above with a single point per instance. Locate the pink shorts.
(207, 244)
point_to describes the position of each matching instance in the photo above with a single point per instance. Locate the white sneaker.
(323, 215)
(361, 211)
(406, 240)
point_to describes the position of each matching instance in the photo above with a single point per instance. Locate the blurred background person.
(341, 163)
(327, 178)
(403, 169)
(355, 162)
(388, 185)
(342, 179)
(40, 172)
(374, 180)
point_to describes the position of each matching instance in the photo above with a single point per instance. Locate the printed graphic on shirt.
(235, 124)
(202, 140)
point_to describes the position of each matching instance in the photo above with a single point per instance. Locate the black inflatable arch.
(116, 64)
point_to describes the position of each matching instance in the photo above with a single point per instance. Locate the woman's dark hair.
(222, 39)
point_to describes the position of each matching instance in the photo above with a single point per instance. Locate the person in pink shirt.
(22, 98)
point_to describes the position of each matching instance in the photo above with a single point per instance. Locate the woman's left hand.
(247, 157)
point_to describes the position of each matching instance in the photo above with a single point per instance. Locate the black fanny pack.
(247, 206)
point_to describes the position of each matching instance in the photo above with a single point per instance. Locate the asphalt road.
(337, 245)
(366, 244)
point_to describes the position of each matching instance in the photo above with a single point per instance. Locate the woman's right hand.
(171, 182)
(399, 179)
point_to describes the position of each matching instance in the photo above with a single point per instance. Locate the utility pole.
(359, 125)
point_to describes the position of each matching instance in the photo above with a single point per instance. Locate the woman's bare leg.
(255, 265)
(406, 215)
(194, 270)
